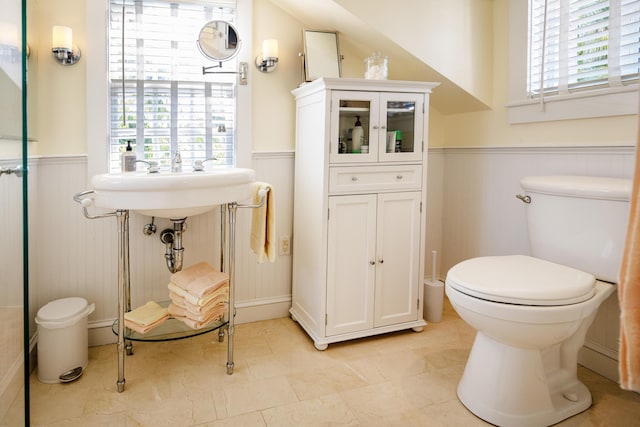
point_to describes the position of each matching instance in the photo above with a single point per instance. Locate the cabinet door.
(398, 262)
(347, 108)
(401, 127)
(350, 265)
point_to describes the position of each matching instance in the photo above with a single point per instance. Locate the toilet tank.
(578, 221)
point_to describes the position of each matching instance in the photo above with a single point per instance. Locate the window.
(160, 99)
(585, 44)
(591, 51)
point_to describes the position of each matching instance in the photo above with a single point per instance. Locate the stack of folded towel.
(146, 317)
(198, 295)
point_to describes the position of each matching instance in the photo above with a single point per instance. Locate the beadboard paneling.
(471, 210)
(435, 213)
(482, 215)
(75, 256)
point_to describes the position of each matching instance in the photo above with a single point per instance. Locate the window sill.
(582, 105)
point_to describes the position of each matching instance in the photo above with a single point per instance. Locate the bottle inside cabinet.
(400, 125)
(354, 119)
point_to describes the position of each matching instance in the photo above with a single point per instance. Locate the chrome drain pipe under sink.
(172, 240)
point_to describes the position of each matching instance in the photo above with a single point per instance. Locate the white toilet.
(532, 312)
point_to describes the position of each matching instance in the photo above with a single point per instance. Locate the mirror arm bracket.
(243, 70)
(205, 70)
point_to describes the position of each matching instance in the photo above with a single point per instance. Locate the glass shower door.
(13, 207)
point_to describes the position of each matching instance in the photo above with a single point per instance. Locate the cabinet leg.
(320, 347)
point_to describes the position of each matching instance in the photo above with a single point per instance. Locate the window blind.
(160, 100)
(585, 44)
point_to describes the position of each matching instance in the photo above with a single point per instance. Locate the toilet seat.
(521, 279)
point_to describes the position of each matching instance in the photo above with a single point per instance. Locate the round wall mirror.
(218, 40)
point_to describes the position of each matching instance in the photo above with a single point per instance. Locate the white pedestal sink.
(172, 194)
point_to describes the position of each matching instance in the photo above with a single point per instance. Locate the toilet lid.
(520, 279)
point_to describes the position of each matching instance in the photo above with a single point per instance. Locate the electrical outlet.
(284, 245)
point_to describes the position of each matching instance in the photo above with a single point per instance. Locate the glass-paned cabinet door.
(402, 126)
(353, 117)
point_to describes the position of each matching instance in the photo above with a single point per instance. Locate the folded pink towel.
(177, 311)
(204, 316)
(219, 296)
(184, 297)
(177, 299)
(214, 315)
(200, 279)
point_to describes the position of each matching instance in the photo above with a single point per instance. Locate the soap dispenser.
(176, 165)
(128, 159)
(357, 135)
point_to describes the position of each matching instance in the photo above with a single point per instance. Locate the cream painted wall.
(452, 37)
(60, 102)
(61, 107)
(60, 95)
(273, 104)
(491, 129)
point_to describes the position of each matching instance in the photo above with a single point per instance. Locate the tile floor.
(280, 379)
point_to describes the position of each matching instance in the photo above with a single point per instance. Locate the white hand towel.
(146, 314)
(263, 225)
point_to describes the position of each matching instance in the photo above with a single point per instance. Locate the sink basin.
(172, 195)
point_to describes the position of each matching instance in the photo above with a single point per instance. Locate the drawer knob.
(372, 262)
(381, 261)
(354, 178)
(399, 177)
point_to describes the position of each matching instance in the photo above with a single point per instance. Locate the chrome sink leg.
(233, 207)
(128, 344)
(123, 289)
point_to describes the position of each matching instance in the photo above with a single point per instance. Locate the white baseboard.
(256, 310)
(600, 363)
(100, 333)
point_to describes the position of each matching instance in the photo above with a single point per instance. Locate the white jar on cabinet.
(359, 214)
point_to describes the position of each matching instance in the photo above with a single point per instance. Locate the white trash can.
(63, 339)
(433, 300)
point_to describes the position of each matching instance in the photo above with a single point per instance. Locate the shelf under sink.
(170, 330)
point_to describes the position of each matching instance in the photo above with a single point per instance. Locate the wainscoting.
(471, 208)
(75, 256)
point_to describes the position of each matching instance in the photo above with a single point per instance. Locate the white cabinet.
(359, 214)
(373, 261)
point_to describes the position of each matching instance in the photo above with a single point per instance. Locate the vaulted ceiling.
(425, 40)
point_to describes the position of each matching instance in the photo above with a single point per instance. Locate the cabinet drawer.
(358, 179)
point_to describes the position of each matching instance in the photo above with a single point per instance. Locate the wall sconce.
(63, 50)
(268, 61)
